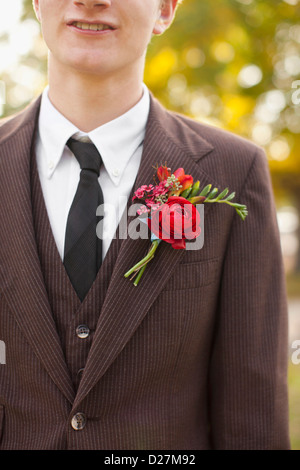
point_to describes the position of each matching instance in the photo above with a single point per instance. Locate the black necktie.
(83, 249)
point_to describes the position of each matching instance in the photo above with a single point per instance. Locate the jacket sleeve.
(248, 368)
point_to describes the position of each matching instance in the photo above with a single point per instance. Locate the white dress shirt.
(120, 144)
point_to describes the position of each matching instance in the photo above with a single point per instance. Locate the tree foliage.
(231, 63)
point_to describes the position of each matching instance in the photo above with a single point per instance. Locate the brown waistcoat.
(68, 311)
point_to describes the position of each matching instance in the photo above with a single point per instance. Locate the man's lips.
(90, 26)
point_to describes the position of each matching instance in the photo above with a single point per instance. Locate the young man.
(195, 356)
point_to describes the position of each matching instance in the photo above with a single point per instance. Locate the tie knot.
(87, 155)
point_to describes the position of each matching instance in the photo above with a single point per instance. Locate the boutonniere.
(169, 209)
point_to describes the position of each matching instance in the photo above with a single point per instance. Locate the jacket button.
(82, 331)
(78, 421)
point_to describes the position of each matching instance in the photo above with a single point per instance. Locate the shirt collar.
(116, 140)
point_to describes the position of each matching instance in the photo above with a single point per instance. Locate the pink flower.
(152, 204)
(150, 201)
(140, 192)
(160, 189)
(142, 210)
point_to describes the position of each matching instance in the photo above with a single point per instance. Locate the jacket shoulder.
(11, 125)
(220, 139)
(224, 156)
(229, 158)
(7, 126)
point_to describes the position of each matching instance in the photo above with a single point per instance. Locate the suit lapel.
(20, 271)
(125, 306)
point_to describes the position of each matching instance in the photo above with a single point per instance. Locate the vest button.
(82, 331)
(78, 421)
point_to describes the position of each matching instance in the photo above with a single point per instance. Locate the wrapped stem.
(139, 268)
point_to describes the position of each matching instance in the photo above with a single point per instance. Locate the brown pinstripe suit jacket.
(195, 357)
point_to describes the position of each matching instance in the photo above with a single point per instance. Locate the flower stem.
(241, 209)
(144, 261)
(140, 273)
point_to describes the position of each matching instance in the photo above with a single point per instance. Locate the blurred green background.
(234, 64)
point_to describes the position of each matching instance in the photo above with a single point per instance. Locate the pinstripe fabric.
(195, 357)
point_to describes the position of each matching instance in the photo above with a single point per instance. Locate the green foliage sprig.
(207, 195)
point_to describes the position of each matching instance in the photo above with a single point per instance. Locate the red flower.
(163, 173)
(186, 181)
(175, 221)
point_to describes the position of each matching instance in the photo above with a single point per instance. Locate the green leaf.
(222, 194)
(195, 189)
(205, 190)
(242, 212)
(230, 197)
(186, 192)
(213, 193)
(197, 199)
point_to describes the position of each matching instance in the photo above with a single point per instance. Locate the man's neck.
(88, 101)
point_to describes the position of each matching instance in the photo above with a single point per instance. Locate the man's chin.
(88, 65)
